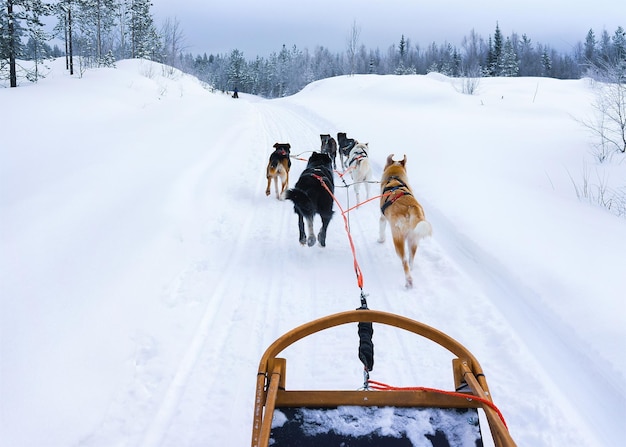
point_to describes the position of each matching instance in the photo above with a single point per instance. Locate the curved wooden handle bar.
(372, 316)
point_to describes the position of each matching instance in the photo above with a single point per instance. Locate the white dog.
(360, 169)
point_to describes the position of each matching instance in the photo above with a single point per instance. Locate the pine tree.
(66, 10)
(17, 13)
(491, 59)
(95, 20)
(496, 56)
(402, 49)
(546, 63)
(144, 39)
(619, 46)
(510, 64)
(236, 69)
(4, 36)
(590, 47)
(605, 48)
(526, 57)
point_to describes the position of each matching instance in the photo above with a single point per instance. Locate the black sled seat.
(366, 418)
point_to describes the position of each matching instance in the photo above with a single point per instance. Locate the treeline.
(100, 32)
(288, 71)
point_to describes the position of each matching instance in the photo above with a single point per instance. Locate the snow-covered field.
(143, 271)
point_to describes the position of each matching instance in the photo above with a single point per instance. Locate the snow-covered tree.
(509, 63)
(590, 47)
(95, 21)
(619, 46)
(20, 17)
(494, 57)
(546, 63)
(144, 39)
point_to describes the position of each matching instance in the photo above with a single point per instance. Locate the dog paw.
(322, 239)
(380, 240)
(267, 192)
(311, 241)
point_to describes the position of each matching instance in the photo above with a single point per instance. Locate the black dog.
(329, 146)
(313, 195)
(345, 146)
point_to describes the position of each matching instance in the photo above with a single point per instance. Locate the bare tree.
(353, 45)
(173, 42)
(609, 124)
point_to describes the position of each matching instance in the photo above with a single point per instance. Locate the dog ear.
(288, 145)
(389, 160)
(276, 144)
(403, 162)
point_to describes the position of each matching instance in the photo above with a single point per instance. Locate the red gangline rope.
(357, 269)
(384, 387)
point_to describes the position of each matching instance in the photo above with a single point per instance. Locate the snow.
(143, 271)
(414, 424)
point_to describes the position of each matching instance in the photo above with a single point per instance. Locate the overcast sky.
(258, 27)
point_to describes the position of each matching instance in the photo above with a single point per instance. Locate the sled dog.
(278, 168)
(345, 145)
(313, 195)
(329, 146)
(360, 169)
(405, 215)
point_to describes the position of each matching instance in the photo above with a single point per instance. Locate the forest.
(97, 33)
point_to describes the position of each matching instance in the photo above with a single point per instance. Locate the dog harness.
(284, 153)
(393, 193)
(348, 147)
(358, 155)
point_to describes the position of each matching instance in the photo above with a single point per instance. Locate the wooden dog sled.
(370, 417)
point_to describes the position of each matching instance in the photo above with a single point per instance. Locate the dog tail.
(423, 229)
(302, 203)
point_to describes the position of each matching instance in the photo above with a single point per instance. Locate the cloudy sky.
(262, 27)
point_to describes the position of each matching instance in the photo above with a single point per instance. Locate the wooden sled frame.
(271, 392)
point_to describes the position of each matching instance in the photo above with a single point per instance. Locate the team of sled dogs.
(313, 193)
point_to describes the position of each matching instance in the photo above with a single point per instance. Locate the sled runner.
(377, 415)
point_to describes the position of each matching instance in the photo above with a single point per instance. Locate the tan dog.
(278, 168)
(404, 213)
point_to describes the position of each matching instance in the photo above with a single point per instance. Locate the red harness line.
(384, 387)
(357, 269)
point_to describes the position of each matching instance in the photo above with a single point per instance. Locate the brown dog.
(404, 213)
(278, 168)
